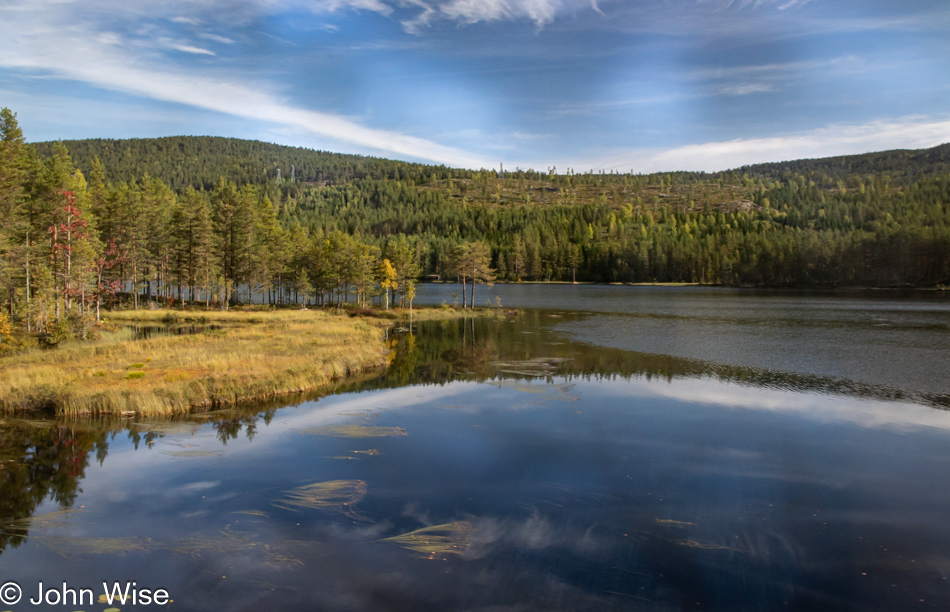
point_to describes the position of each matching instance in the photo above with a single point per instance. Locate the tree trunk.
(29, 325)
(472, 301)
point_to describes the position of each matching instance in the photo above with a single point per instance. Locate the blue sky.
(642, 85)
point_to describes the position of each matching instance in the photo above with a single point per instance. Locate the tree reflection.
(42, 460)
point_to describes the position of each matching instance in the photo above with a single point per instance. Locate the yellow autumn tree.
(387, 278)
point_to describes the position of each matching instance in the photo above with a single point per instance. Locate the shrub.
(171, 318)
(84, 327)
(56, 333)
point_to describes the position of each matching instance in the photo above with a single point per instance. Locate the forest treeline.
(879, 219)
(71, 243)
(211, 219)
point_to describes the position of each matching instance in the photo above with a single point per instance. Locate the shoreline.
(237, 357)
(937, 288)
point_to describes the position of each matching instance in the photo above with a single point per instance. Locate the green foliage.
(204, 220)
(56, 333)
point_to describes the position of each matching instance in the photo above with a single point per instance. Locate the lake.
(608, 448)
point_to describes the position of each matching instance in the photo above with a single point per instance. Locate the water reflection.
(145, 332)
(483, 349)
(896, 339)
(496, 465)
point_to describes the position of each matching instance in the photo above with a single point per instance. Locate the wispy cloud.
(745, 89)
(192, 49)
(217, 38)
(775, 70)
(906, 133)
(76, 54)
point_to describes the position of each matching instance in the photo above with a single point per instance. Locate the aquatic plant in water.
(436, 541)
(354, 431)
(332, 495)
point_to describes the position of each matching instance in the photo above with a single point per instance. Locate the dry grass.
(252, 355)
(436, 541)
(432, 313)
(333, 495)
(354, 431)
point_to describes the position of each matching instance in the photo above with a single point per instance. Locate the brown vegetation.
(248, 355)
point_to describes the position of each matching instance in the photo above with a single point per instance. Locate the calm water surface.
(566, 459)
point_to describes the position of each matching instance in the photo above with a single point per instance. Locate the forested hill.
(199, 161)
(902, 164)
(880, 219)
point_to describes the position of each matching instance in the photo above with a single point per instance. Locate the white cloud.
(540, 12)
(905, 133)
(745, 89)
(776, 71)
(869, 413)
(217, 38)
(192, 49)
(72, 52)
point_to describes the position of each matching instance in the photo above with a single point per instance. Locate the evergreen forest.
(218, 220)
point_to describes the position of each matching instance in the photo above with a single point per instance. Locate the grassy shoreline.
(248, 355)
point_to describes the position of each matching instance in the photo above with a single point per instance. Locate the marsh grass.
(226, 542)
(431, 313)
(436, 541)
(251, 355)
(331, 496)
(67, 546)
(354, 431)
(48, 520)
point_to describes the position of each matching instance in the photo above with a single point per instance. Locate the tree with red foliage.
(110, 257)
(64, 237)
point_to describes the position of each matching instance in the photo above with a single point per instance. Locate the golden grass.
(48, 520)
(333, 495)
(68, 546)
(443, 314)
(354, 431)
(435, 541)
(432, 313)
(252, 355)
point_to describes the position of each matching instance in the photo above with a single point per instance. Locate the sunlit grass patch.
(436, 541)
(354, 431)
(252, 355)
